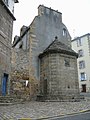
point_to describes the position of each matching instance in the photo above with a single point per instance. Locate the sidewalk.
(35, 110)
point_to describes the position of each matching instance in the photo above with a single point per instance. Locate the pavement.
(40, 110)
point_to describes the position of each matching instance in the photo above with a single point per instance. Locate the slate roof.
(88, 34)
(58, 47)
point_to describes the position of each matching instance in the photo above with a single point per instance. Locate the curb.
(42, 118)
(25, 119)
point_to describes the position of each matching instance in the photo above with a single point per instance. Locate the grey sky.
(75, 14)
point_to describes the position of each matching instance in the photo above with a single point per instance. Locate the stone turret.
(58, 73)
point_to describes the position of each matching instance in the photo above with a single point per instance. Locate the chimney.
(23, 29)
(49, 12)
(40, 10)
(16, 38)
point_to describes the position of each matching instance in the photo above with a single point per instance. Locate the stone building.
(6, 28)
(36, 38)
(58, 73)
(41, 32)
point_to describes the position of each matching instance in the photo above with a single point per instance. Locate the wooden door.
(45, 86)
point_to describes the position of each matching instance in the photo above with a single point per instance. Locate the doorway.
(4, 84)
(45, 86)
(84, 88)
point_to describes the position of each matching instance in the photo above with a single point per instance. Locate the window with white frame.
(80, 53)
(64, 32)
(81, 64)
(83, 76)
(79, 42)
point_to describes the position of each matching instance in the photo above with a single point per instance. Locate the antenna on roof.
(56, 37)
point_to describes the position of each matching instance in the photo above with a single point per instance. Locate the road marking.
(68, 115)
(58, 116)
(25, 119)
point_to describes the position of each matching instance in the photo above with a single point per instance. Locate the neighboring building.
(82, 46)
(35, 39)
(6, 28)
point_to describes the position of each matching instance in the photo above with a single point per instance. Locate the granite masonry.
(58, 73)
(6, 28)
(55, 70)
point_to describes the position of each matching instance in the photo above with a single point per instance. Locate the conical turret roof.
(58, 47)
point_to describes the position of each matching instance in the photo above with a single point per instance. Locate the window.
(6, 1)
(82, 76)
(21, 45)
(80, 53)
(64, 32)
(79, 42)
(67, 62)
(81, 64)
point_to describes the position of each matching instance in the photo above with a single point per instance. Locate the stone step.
(9, 100)
(71, 98)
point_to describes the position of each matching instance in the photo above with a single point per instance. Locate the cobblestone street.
(35, 110)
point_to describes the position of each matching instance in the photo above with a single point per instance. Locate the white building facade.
(10, 4)
(82, 46)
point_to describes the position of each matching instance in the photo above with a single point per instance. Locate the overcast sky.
(75, 14)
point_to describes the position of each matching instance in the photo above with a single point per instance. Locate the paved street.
(81, 116)
(36, 110)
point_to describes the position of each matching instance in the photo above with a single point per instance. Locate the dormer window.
(16, 1)
(64, 32)
(21, 45)
(6, 1)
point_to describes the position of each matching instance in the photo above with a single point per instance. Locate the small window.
(6, 1)
(81, 64)
(82, 76)
(68, 86)
(67, 62)
(21, 45)
(79, 42)
(80, 53)
(64, 32)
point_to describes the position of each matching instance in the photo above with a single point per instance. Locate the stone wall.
(6, 25)
(20, 71)
(20, 59)
(23, 83)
